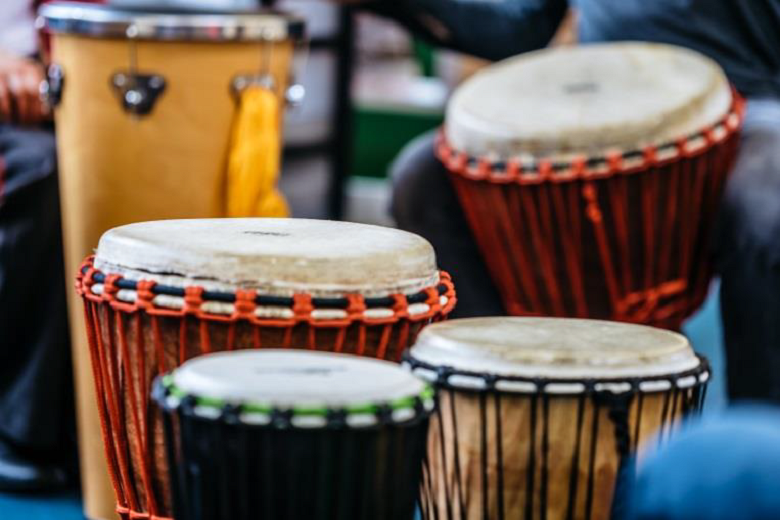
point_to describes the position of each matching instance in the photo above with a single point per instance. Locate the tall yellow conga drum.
(146, 101)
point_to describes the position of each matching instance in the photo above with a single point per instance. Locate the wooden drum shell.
(535, 432)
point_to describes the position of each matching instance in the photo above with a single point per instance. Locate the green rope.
(367, 408)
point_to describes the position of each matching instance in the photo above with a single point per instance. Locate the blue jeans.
(747, 253)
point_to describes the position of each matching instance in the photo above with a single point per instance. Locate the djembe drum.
(159, 293)
(294, 434)
(537, 417)
(146, 101)
(590, 177)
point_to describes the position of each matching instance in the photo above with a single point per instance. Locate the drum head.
(586, 100)
(151, 21)
(290, 379)
(273, 256)
(554, 348)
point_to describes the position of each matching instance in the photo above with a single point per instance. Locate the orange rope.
(119, 364)
(622, 237)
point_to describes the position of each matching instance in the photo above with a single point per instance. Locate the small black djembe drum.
(293, 434)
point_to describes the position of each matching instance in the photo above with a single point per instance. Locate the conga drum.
(590, 177)
(144, 102)
(159, 293)
(298, 435)
(537, 418)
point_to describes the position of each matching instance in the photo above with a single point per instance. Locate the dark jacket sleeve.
(491, 29)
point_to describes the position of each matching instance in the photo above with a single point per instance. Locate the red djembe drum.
(159, 293)
(590, 177)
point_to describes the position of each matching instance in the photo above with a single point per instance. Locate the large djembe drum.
(146, 100)
(537, 418)
(590, 177)
(270, 434)
(159, 293)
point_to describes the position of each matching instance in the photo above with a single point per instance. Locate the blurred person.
(725, 467)
(743, 37)
(36, 409)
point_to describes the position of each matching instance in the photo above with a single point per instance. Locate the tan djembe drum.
(590, 177)
(159, 293)
(537, 418)
(145, 100)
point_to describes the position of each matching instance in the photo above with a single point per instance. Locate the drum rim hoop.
(171, 398)
(536, 170)
(439, 376)
(422, 305)
(101, 21)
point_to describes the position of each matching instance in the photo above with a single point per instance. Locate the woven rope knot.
(400, 306)
(614, 161)
(302, 306)
(709, 136)
(145, 293)
(433, 299)
(245, 304)
(651, 156)
(592, 209)
(84, 268)
(578, 165)
(193, 298)
(545, 169)
(459, 160)
(450, 294)
(109, 287)
(88, 280)
(513, 169)
(483, 169)
(356, 306)
(682, 147)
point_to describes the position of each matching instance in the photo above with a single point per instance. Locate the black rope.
(499, 456)
(500, 166)
(456, 462)
(269, 300)
(591, 483)
(483, 451)
(282, 418)
(574, 472)
(619, 411)
(444, 373)
(545, 456)
(617, 406)
(531, 470)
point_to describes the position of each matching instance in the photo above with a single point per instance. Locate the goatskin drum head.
(273, 256)
(295, 378)
(554, 348)
(586, 100)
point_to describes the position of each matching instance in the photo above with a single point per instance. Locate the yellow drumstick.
(254, 156)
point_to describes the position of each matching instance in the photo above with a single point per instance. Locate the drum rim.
(222, 254)
(96, 286)
(481, 382)
(104, 21)
(530, 169)
(403, 411)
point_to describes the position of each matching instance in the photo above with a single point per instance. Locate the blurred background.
(370, 88)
